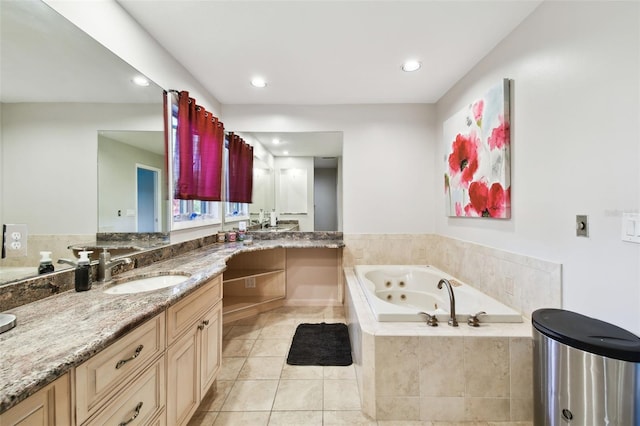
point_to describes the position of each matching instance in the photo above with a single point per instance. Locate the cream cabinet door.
(210, 348)
(183, 359)
(51, 406)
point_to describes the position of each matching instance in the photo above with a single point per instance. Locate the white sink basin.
(146, 284)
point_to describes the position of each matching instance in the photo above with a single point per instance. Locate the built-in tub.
(401, 292)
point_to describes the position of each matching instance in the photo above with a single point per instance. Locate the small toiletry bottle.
(46, 265)
(273, 219)
(83, 272)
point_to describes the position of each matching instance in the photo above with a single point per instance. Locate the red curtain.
(240, 170)
(211, 145)
(199, 149)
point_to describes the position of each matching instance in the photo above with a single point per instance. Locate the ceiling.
(311, 52)
(314, 52)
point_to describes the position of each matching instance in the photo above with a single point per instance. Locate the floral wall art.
(477, 171)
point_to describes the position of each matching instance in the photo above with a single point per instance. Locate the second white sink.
(146, 284)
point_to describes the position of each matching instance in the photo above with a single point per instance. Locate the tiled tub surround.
(520, 282)
(57, 333)
(409, 371)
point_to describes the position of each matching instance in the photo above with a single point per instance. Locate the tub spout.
(453, 321)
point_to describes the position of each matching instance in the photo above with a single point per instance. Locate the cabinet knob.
(203, 325)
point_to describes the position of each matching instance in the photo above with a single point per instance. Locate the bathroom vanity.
(98, 358)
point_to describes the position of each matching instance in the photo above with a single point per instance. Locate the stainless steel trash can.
(586, 371)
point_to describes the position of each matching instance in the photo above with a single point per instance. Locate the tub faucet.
(105, 264)
(453, 321)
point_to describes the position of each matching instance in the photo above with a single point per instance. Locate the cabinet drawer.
(138, 403)
(105, 373)
(187, 311)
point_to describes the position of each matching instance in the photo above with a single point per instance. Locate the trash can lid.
(587, 334)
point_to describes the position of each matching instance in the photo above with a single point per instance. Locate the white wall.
(575, 150)
(388, 155)
(49, 163)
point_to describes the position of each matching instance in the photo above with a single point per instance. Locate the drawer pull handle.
(136, 413)
(204, 323)
(134, 356)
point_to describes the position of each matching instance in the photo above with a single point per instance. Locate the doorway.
(148, 198)
(325, 199)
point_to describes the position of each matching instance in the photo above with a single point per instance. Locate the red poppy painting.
(477, 179)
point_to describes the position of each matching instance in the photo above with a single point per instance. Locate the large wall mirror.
(299, 175)
(67, 105)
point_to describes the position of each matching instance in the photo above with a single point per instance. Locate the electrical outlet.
(582, 225)
(14, 238)
(250, 282)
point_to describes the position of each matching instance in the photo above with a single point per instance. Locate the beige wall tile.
(486, 363)
(522, 409)
(396, 369)
(487, 409)
(398, 408)
(442, 409)
(521, 365)
(442, 366)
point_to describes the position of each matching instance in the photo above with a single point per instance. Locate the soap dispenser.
(46, 265)
(83, 272)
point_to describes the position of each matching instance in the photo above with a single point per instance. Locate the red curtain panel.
(199, 149)
(186, 186)
(240, 170)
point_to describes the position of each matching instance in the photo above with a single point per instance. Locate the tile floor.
(257, 387)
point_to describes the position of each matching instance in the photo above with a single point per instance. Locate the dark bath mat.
(320, 344)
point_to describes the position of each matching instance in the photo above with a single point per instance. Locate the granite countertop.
(57, 333)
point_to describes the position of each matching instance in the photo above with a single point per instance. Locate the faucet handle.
(474, 321)
(432, 321)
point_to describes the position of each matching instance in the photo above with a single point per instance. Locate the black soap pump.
(83, 272)
(46, 265)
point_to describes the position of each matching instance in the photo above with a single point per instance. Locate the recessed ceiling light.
(276, 141)
(140, 81)
(411, 65)
(258, 82)
(285, 152)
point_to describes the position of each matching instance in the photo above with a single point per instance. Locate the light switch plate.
(14, 238)
(631, 227)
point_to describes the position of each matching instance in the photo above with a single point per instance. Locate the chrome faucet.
(68, 262)
(105, 264)
(453, 321)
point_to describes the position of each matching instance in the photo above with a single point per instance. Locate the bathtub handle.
(432, 321)
(473, 320)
